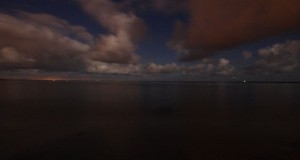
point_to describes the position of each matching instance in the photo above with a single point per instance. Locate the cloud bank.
(220, 66)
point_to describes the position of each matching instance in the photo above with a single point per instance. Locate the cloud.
(42, 41)
(220, 66)
(61, 26)
(279, 58)
(134, 69)
(224, 67)
(247, 55)
(10, 54)
(217, 25)
(211, 67)
(167, 68)
(177, 41)
(125, 29)
(113, 68)
(46, 42)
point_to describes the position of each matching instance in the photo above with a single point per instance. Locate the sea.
(89, 120)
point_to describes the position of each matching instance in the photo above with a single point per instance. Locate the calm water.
(148, 121)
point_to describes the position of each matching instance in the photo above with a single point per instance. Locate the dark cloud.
(217, 25)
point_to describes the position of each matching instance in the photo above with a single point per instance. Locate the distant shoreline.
(150, 81)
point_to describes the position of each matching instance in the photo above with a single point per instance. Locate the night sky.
(150, 39)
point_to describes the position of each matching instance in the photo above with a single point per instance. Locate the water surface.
(43, 120)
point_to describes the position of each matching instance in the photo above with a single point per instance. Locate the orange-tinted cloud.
(222, 24)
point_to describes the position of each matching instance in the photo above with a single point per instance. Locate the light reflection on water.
(143, 120)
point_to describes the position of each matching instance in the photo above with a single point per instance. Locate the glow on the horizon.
(51, 78)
